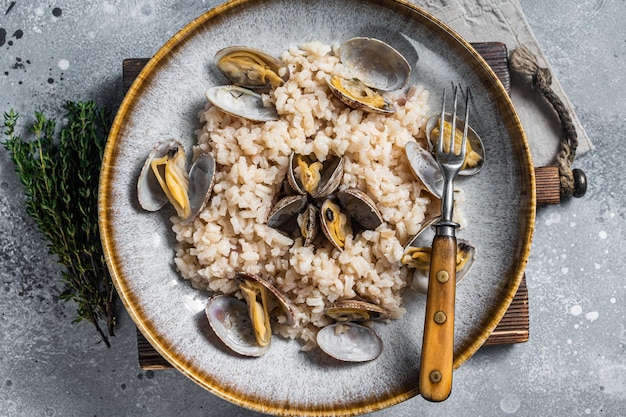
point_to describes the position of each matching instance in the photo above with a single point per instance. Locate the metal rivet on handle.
(440, 317)
(443, 276)
(435, 377)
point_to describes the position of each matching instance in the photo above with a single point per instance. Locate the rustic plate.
(164, 102)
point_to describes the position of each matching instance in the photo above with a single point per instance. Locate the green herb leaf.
(60, 179)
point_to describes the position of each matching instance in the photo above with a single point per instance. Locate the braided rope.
(524, 62)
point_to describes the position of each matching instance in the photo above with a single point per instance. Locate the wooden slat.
(496, 55)
(149, 358)
(548, 185)
(514, 326)
(131, 68)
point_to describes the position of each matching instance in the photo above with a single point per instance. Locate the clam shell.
(425, 168)
(201, 180)
(355, 311)
(240, 102)
(149, 192)
(285, 209)
(331, 177)
(350, 342)
(361, 208)
(472, 137)
(230, 321)
(376, 63)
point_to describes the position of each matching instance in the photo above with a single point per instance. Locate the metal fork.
(435, 375)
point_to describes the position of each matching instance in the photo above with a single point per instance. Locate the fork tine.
(441, 123)
(453, 129)
(465, 122)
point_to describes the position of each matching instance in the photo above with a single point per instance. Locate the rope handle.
(573, 182)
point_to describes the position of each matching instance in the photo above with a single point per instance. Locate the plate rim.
(202, 378)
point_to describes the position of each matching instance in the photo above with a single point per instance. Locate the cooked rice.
(230, 235)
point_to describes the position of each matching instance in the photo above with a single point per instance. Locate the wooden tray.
(514, 326)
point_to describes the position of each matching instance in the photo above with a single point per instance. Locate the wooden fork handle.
(435, 375)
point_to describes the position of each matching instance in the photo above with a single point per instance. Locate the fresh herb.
(60, 179)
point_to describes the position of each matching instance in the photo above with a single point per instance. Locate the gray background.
(574, 363)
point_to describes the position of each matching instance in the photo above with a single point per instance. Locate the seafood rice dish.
(230, 235)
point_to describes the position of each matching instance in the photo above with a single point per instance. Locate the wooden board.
(514, 326)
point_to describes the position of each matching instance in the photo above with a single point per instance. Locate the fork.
(435, 375)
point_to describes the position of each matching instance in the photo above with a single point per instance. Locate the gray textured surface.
(574, 362)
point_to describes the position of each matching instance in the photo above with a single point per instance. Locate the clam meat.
(317, 204)
(251, 68)
(355, 94)
(255, 295)
(475, 155)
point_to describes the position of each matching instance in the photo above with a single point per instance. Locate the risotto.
(231, 234)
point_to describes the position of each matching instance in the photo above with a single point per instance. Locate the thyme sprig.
(60, 179)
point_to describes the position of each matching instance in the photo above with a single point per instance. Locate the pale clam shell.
(425, 168)
(376, 63)
(240, 102)
(201, 180)
(350, 342)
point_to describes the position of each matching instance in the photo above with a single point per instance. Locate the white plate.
(164, 102)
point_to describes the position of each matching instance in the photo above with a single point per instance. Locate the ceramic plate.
(164, 102)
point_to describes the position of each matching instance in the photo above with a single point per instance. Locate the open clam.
(475, 157)
(149, 190)
(248, 69)
(374, 66)
(277, 305)
(164, 177)
(418, 251)
(231, 322)
(316, 206)
(245, 326)
(347, 340)
(251, 68)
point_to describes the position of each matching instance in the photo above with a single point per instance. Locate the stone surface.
(573, 364)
